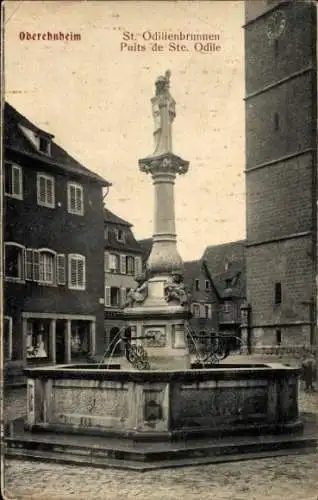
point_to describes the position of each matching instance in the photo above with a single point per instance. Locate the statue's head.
(162, 83)
(140, 278)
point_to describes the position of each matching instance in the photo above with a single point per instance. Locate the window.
(197, 285)
(114, 263)
(45, 190)
(207, 310)
(120, 235)
(278, 337)
(76, 272)
(44, 145)
(14, 261)
(207, 285)
(75, 199)
(278, 293)
(37, 339)
(130, 265)
(227, 307)
(106, 233)
(80, 345)
(228, 283)
(114, 296)
(13, 181)
(47, 267)
(196, 310)
(276, 121)
(7, 338)
(276, 47)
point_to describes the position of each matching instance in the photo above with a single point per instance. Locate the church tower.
(281, 170)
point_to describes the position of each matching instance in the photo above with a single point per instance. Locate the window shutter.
(81, 272)
(42, 189)
(60, 269)
(107, 296)
(138, 267)
(8, 178)
(28, 264)
(36, 265)
(106, 261)
(79, 199)
(72, 198)
(123, 264)
(122, 297)
(49, 191)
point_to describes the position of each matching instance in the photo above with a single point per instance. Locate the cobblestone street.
(293, 477)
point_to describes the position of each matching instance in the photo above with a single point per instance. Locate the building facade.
(281, 171)
(122, 263)
(53, 250)
(204, 301)
(225, 265)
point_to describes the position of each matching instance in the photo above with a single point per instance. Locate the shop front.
(58, 339)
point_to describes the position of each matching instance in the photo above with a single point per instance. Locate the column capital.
(167, 163)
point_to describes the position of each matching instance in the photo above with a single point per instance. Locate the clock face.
(276, 25)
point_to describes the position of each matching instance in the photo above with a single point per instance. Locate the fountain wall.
(167, 404)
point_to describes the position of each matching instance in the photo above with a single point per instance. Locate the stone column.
(92, 337)
(163, 166)
(52, 340)
(24, 337)
(68, 336)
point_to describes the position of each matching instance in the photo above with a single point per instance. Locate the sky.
(93, 95)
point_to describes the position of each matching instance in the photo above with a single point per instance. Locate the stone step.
(123, 453)
(104, 462)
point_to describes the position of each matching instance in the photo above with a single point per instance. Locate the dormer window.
(120, 235)
(228, 283)
(40, 141)
(44, 145)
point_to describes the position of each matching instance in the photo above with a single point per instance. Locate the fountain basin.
(163, 405)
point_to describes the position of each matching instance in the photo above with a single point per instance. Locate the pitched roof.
(15, 140)
(146, 246)
(217, 256)
(226, 264)
(115, 219)
(192, 270)
(232, 283)
(129, 244)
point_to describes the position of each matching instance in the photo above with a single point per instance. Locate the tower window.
(197, 285)
(278, 293)
(276, 121)
(278, 337)
(276, 47)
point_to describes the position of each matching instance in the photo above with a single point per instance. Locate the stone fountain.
(160, 412)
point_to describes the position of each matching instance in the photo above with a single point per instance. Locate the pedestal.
(160, 327)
